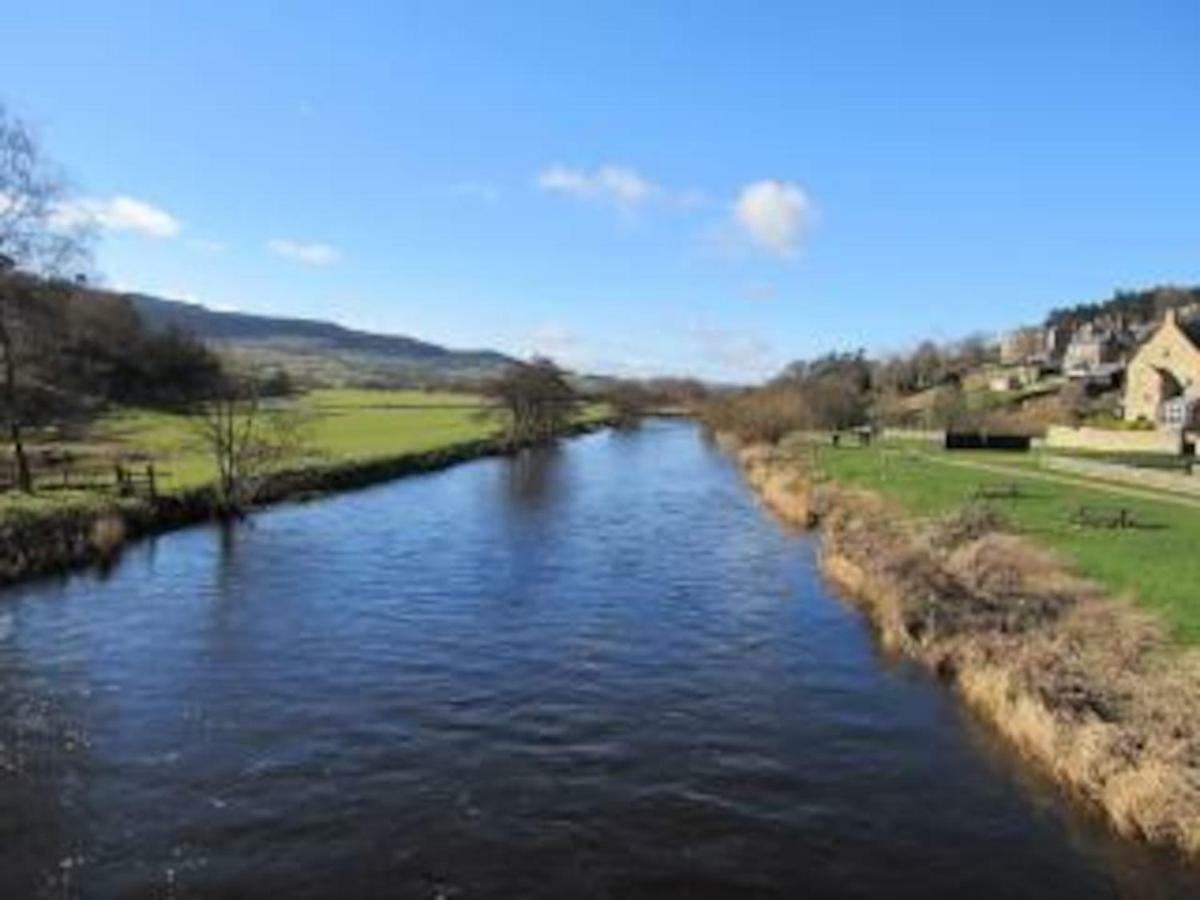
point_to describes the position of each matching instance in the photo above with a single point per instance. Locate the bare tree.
(948, 408)
(34, 238)
(629, 401)
(535, 399)
(35, 233)
(248, 437)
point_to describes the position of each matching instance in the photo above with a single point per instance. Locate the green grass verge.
(1157, 565)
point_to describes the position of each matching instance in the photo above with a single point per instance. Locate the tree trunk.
(24, 476)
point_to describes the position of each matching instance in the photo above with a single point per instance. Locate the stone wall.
(922, 435)
(1109, 440)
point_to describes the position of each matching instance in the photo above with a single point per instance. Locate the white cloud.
(615, 185)
(116, 213)
(619, 185)
(310, 254)
(774, 214)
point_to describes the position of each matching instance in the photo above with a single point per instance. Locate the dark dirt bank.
(1088, 687)
(44, 541)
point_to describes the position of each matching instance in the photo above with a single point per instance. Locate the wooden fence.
(121, 479)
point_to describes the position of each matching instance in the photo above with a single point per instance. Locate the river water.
(596, 670)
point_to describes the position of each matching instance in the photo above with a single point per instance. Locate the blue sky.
(642, 187)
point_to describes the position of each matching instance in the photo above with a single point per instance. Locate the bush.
(766, 415)
(973, 521)
(107, 535)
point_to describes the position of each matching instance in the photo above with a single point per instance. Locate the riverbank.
(1090, 688)
(50, 535)
(1152, 563)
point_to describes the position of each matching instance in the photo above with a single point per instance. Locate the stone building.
(1021, 346)
(1162, 384)
(1055, 339)
(1092, 346)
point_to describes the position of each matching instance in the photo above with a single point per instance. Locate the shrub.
(971, 522)
(108, 535)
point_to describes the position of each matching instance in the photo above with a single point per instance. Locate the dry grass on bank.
(1092, 688)
(1154, 563)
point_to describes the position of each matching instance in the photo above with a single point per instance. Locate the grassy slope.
(1158, 565)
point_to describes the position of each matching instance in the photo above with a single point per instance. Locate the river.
(595, 670)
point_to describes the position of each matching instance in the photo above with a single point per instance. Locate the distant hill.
(320, 352)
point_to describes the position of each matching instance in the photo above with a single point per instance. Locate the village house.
(1091, 347)
(1021, 346)
(1055, 339)
(1162, 384)
(1014, 378)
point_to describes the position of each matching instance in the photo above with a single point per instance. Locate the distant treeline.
(923, 388)
(1133, 306)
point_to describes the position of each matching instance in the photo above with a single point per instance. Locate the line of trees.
(538, 399)
(848, 390)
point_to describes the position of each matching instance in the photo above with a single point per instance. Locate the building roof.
(1191, 327)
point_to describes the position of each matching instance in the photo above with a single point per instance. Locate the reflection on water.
(534, 476)
(595, 670)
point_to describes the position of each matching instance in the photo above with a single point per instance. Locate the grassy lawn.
(344, 424)
(1156, 564)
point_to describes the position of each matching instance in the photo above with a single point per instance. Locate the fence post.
(150, 480)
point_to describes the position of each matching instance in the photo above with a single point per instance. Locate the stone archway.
(1169, 386)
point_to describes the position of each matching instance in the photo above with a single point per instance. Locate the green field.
(340, 425)
(1156, 563)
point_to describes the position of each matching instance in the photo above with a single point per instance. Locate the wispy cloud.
(774, 215)
(116, 213)
(611, 184)
(304, 252)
